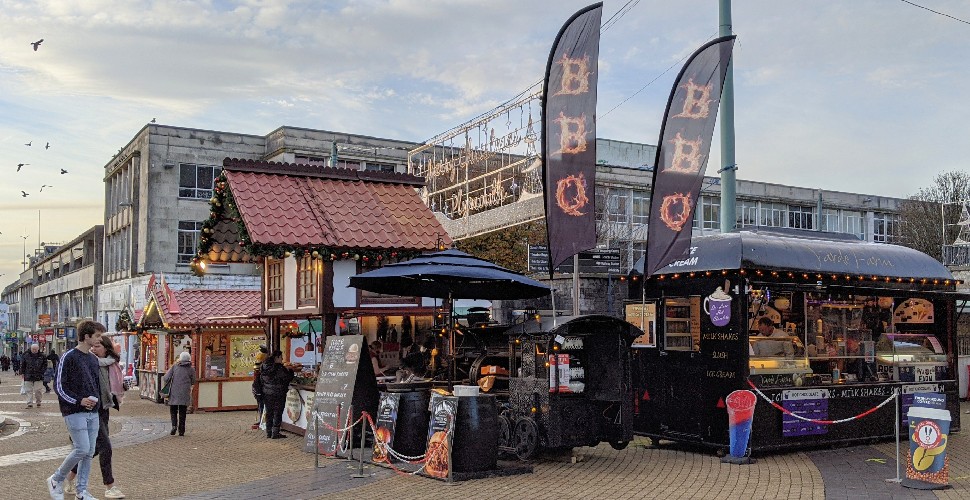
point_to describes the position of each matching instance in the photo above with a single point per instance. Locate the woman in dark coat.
(276, 382)
(183, 378)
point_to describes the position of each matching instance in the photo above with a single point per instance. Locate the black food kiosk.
(825, 326)
(570, 387)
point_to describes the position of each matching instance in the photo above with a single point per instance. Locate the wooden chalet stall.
(219, 328)
(850, 323)
(311, 228)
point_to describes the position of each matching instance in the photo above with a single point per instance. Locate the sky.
(863, 96)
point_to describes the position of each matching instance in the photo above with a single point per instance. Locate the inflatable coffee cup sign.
(718, 306)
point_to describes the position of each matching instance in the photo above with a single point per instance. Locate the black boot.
(277, 434)
(173, 431)
(269, 432)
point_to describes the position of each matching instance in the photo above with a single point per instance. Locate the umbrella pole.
(451, 343)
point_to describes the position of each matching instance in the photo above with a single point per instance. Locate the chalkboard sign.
(345, 378)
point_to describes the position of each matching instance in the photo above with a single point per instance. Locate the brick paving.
(221, 457)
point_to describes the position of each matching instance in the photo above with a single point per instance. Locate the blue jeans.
(83, 427)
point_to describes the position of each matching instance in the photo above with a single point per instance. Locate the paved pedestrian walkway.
(221, 457)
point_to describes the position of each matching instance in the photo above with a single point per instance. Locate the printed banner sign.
(682, 153)
(569, 136)
(441, 432)
(385, 425)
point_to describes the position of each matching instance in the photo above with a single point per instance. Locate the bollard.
(348, 434)
(316, 438)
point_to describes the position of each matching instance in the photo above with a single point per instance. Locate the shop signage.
(809, 403)
(605, 261)
(386, 424)
(344, 381)
(929, 429)
(644, 317)
(43, 320)
(441, 431)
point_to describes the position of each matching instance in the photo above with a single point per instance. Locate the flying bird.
(48, 146)
(29, 143)
(25, 194)
(45, 186)
(63, 171)
(37, 44)
(21, 165)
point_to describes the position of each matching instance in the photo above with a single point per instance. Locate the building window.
(885, 227)
(188, 241)
(274, 284)
(640, 209)
(195, 181)
(852, 224)
(773, 214)
(801, 217)
(746, 213)
(830, 220)
(306, 281)
(311, 160)
(710, 212)
(379, 167)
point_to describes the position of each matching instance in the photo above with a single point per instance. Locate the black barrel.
(475, 446)
(413, 417)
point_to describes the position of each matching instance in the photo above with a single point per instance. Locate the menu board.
(343, 381)
(441, 432)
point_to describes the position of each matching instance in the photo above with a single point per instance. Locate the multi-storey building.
(158, 186)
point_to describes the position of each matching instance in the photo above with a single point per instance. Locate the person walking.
(5, 362)
(78, 387)
(276, 380)
(53, 358)
(183, 378)
(113, 393)
(33, 367)
(17, 357)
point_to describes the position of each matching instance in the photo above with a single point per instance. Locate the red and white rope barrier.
(786, 411)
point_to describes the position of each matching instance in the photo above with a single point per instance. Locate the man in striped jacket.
(78, 386)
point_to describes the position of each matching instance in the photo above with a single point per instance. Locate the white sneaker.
(85, 496)
(113, 492)
(55, 489)
(70, 486)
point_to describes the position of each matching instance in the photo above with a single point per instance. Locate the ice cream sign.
(718, 306)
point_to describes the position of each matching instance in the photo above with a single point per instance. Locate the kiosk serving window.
(682, 326)
(844, 338)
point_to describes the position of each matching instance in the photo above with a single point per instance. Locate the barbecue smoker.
(572, 387)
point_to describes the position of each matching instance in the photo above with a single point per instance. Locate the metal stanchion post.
(363, 435)
(316, 439)
(350, 433)
(897, 423)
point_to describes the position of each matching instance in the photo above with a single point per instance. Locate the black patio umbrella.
(449, 274)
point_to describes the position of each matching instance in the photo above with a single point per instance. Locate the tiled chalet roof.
(302, 205)
(191, 308)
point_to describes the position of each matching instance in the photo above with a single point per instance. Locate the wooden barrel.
(475, 446)
(413, 417)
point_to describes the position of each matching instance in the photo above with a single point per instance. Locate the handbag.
(166, 388)
(23, 388)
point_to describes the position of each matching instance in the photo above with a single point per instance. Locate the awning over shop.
(806, 251)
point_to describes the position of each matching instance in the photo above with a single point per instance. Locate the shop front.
(221, 331)
(826, 329)
(322, 227)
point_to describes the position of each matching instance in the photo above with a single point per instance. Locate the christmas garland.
(223, 208)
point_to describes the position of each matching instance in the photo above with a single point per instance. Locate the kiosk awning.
(807, 251)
